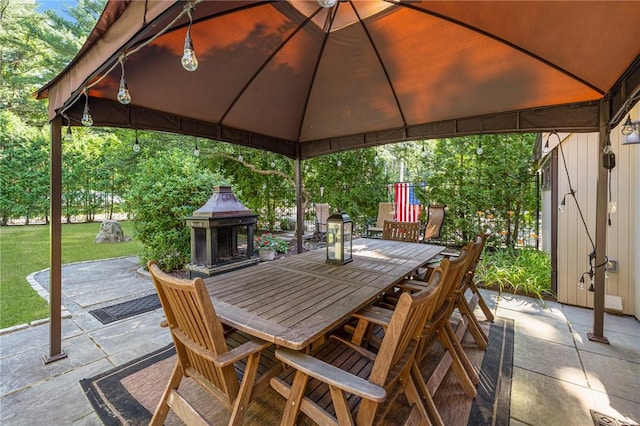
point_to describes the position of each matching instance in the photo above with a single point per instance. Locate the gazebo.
(304, 78)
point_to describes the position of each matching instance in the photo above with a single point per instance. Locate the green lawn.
(25, 249)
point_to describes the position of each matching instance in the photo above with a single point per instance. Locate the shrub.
(165, 190)
(519, 270)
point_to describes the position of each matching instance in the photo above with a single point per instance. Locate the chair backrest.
(401, 231)
(479, 244)
(322, 214)
(435, 220)
(385, 212)
(195, 330)
(400, 340)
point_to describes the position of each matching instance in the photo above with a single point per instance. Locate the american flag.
(407, 205)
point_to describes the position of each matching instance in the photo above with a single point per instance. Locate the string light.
(196, 151)
(86, 116)
(68, 136)
(123, 93)
(189, 60)
(479, 151)
(327, 3)
(136, 144)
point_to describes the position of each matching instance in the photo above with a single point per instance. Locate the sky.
(56, 5)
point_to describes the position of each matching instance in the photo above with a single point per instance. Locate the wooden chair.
(322, 214)
(435, 220)
(470, 282)
(205, 354)
(437, 326)
(401, 231)
(385, 212)
(341, 382)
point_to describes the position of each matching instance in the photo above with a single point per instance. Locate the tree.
(34, 47)
(167, 188)
(494, 189)
(24, 170)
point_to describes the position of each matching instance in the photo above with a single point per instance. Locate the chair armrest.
(412, 285)
(331, 375)
(241, 352)
(375, 315)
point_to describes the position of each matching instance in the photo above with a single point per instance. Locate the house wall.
(623, 236)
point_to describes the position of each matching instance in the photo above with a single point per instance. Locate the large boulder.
(111, 232)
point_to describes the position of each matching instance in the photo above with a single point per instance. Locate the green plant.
(518, 270)
(167, 188)
(270, 241)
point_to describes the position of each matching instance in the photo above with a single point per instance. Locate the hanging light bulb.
(479, 151)
(196, 151)
(562, 204)
(240, 158)
(327, 3)
(136, 144)
(545, 150)
(124, 97)
(86, 116)
(339, 163)
(627, 129)
(189, 60)
(273, 164)
(581, 285)
(68, 135)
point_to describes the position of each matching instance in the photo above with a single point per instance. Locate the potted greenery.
(268, 244)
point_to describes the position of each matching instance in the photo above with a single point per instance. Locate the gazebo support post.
(55, 249)
(597, 335)
(299, 211)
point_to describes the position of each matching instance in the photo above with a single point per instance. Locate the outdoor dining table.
(296, 300)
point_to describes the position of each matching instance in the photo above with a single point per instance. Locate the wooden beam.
(299, 204)
(55, 248)
(597, 335)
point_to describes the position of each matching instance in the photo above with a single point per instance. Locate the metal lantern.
(339, 245)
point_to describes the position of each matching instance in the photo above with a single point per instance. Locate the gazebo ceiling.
(301, 80)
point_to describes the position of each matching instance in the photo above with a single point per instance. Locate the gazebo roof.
(301, 80)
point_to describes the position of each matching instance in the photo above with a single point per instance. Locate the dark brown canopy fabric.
(301, 80)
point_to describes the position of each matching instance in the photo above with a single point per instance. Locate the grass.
(525, 271)
(25, 249)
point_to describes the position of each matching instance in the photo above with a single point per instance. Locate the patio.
(558, 374)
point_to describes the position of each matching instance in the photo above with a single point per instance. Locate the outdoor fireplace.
(221, 235)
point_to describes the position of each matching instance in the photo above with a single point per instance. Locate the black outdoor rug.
(492, 406)
(127, 309)
(128, 394)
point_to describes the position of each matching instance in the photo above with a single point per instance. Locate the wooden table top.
(295, 300)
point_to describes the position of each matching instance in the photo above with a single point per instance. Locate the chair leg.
(462, 356)
(424, 402)
(292, 407)
(483, 305)
(463, 377)
(244, 394)
(163, 407)
(480, 338)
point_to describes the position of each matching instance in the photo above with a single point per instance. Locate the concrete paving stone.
(535, 354)
(621, 345)
(547, 328)
(52, 402)
(132, 337)
(615, 377)
(584, 316)
(34, 337)
(90, 419)
(27, 368)
(618, 408)
(541, 400)
(531, 305)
